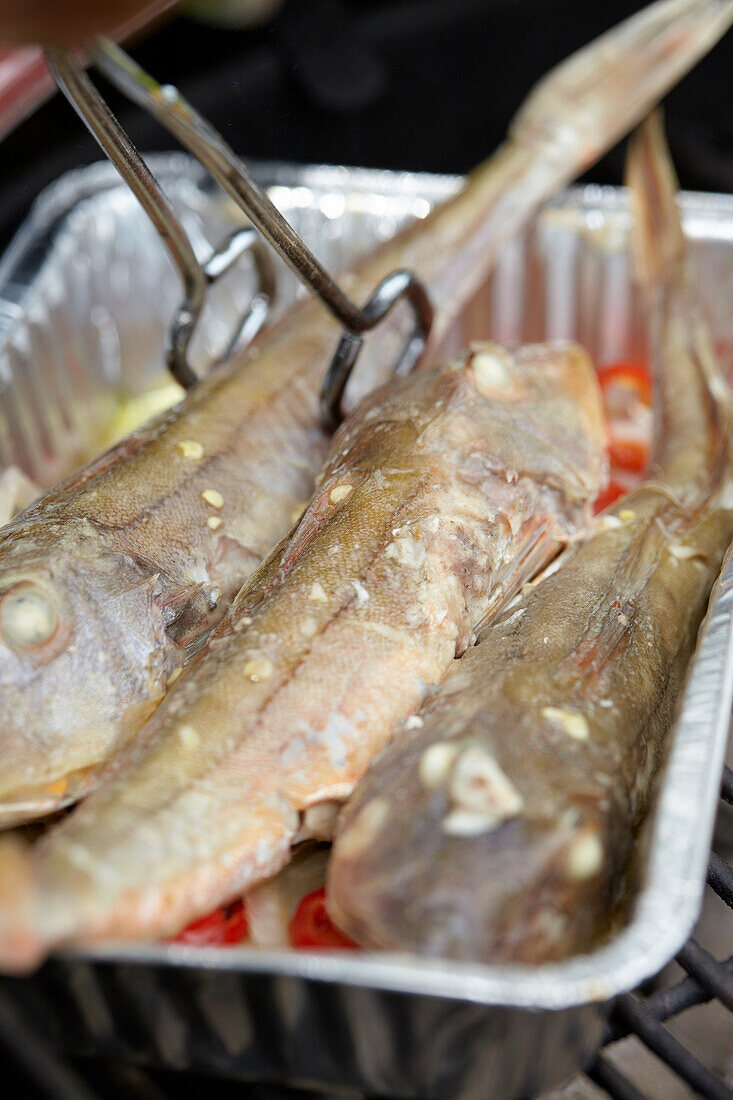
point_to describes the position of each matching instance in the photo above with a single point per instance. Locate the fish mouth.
(27, 808)
(28, 803)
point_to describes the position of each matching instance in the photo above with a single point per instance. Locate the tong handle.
(194, 132)
(398, 285)
(197, 278)
(174, 112)
(197, 135)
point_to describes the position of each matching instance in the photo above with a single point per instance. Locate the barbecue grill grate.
(633, 1014)
(644, 1017)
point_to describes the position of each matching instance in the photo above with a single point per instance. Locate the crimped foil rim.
(668, 902)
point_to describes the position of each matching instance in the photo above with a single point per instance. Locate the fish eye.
(29, 617)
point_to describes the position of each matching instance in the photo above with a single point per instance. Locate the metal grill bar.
(678, 998)
(700, 964)
(720, 877)
(726, 786)
(708, 979)
(631, 1011)
(667, 1003)
(604, 1074)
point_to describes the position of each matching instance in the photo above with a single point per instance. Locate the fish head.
(83, 661)
(473, 847)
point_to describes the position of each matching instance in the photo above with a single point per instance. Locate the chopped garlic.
(491, 371)
(259, 668)
(684, 553)
(575, 725)
(406, 551)
(479, 786)
(339, 493)
(188, 737)
(214, 523)
(585, 857)
(213, 497)
(436, 763)
(189, 448)
(467, 824)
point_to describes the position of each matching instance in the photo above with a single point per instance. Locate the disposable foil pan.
(86, 293)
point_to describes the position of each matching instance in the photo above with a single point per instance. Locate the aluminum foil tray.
(86, 292)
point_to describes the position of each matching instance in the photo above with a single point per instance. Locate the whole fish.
(502, 828)
(443, 493)
(109, 580)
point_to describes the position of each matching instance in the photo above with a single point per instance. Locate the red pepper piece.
(611, 493)
(226, 925)
(629, 454)
(623, 385)
(311, 925)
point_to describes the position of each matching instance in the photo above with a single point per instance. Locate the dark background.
(417, 84)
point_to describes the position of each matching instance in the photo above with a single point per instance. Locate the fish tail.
(21, 944)
(657, 240)
(691, 399)
(591, 100)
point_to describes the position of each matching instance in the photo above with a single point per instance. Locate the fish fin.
(657, 240)
(539, 546)
(314, 519)
(254, 590)
(691, 399)
(590, 101)
(612, 621)
(17, 492)
(187, 612)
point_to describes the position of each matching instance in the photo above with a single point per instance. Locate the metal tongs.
(197, 135)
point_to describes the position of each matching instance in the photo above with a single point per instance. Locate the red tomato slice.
(226, 925)
(311, 925)
(627, 453)
(627, 397)
(611, 493)
(624, 385)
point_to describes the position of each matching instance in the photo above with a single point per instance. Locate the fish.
(112, 581)
(443, 492)
(502, 827)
